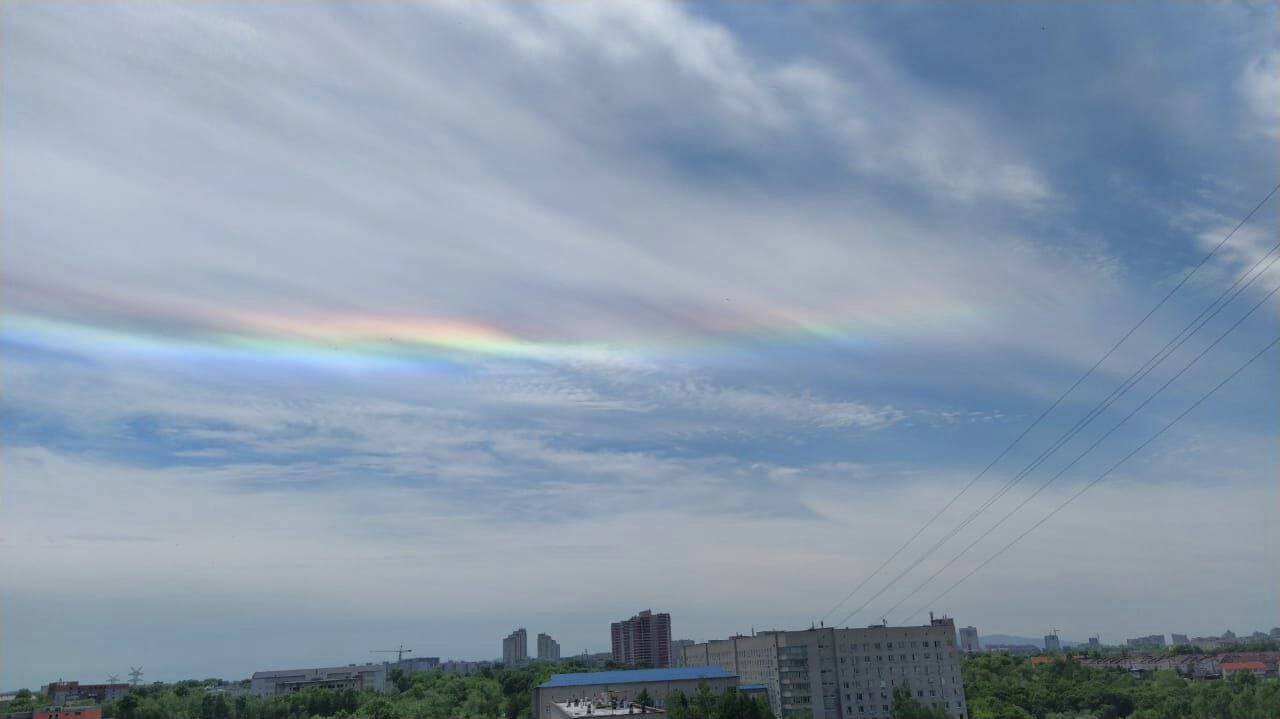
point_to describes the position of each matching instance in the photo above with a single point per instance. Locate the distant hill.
(1015, 639)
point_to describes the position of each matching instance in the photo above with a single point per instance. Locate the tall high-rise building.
(969, 640)
(829, 673)
(1179, 639)
(643, 639)
(1052, 643)
(548, 648)
(515, 648)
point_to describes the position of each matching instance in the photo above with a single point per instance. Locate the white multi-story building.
(548, 648)
(831, 673)
(515, 648)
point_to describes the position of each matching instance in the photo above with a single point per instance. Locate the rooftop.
(1236, 666)
(349, 669)
(669, 674)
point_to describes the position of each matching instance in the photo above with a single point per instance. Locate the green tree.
(677, 705)
(703, 705)
(906, 706)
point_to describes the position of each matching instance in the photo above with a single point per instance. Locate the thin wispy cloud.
(442, 297)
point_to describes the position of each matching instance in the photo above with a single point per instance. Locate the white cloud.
(1260, 86)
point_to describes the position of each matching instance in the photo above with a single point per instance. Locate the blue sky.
(328, 327)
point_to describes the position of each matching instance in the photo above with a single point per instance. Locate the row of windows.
(885, 695)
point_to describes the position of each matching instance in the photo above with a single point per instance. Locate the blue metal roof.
(751, 687)
(669, 674)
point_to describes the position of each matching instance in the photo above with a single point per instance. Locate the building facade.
(61, 692)
(1151, 640)
(1052, 643)
(562, 693)
(677, 651)
(287, 681)
(515, 648)
(831, 673)
(548, 648)
(969, 640)
(643, 639)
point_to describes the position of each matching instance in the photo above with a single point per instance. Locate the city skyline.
(327, 328)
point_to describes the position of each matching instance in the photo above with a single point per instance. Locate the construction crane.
(398, 652)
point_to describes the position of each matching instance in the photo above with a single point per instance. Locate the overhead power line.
(1100, 477)
(1087, 450)
(1187, 332)
(928, 523)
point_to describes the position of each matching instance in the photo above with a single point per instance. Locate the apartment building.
(548, 648)
(642, 639)
(969, 643)
(829, 673)
(515, 648)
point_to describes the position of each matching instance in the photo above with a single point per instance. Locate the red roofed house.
(1037, 661)
(1258, 668)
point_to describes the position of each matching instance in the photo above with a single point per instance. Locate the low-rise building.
(1151, 640)
(570, 696)
(359, 677)
(61, 692)
(1256, 668)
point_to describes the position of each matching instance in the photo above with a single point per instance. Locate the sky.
(327, 327)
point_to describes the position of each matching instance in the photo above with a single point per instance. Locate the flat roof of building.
(631, 676)
(350, 668)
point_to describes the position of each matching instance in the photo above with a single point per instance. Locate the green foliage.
(906, 706)
(732, 704)
(496, 693)
(1001, 686)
